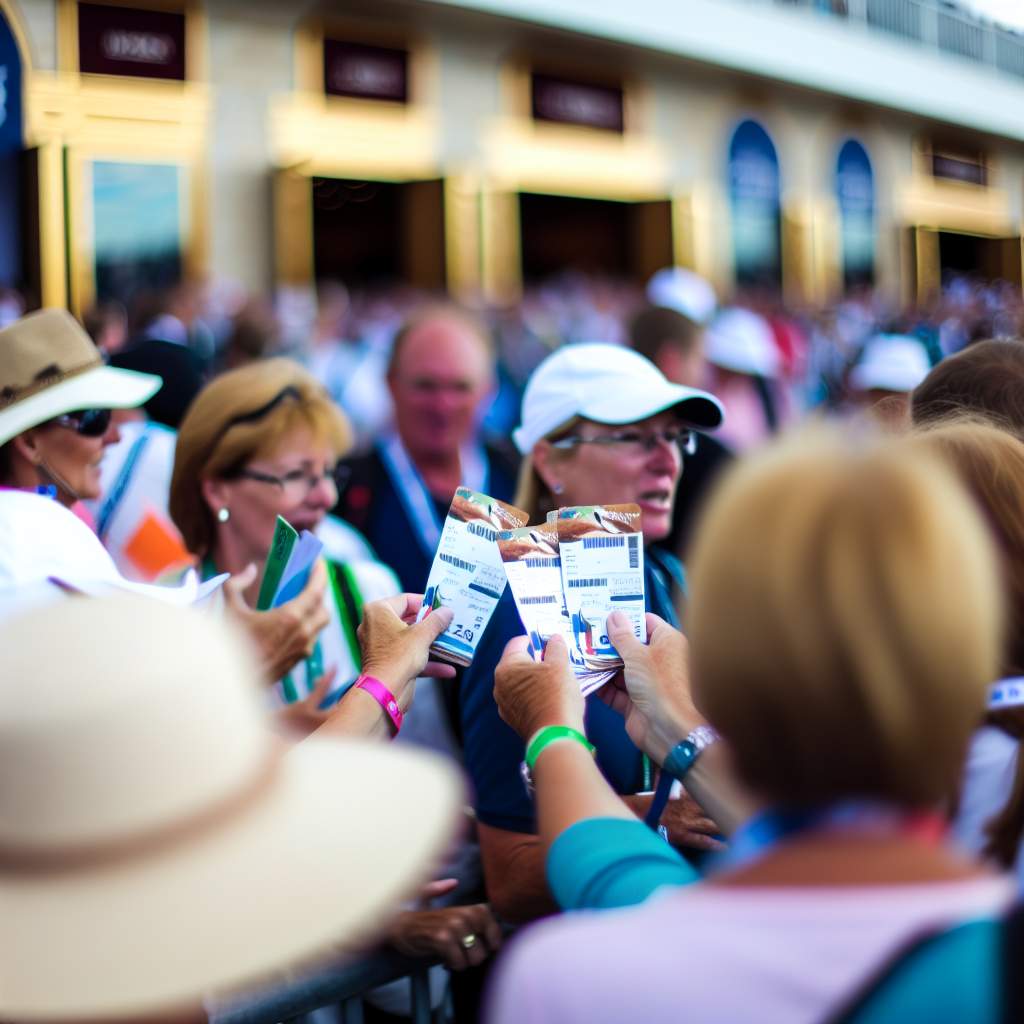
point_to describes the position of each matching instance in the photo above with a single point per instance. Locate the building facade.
(802, 146)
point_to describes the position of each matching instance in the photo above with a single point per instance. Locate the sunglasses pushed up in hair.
(87, 422)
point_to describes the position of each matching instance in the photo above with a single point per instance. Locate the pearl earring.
(223, 515)
(558, 488)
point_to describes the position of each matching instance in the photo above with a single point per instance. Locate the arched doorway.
(855, 192)
(755, 207)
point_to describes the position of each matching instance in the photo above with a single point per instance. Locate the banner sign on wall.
(129, 41)
(577, 103)
(366, 72)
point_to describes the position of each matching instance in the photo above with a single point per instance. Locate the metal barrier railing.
(931, 23)
(338, 985)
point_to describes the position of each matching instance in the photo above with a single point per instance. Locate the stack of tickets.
(569, 574)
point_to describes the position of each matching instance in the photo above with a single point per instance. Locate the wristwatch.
(683, 755)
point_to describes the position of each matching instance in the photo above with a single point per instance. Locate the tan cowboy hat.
(155, 843)
(49, 366)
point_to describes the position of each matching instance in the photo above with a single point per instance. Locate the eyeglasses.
(295, 485)
(636, 441)
(87, 422)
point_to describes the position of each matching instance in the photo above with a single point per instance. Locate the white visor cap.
(890, 362)
(606, 384)
(742, 341)
(684, 291)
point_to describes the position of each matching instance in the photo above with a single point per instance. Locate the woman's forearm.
(570, 788)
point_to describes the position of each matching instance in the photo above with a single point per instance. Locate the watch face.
(524, 774)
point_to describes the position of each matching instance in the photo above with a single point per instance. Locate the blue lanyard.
(412, 492)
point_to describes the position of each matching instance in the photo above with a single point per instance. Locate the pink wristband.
(384, 697)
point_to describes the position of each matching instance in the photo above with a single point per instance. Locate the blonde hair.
(844, 621)
(216, 439)
(534, 496)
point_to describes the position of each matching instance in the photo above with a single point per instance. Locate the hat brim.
(345, 831)
(642, 400)
(104, 387)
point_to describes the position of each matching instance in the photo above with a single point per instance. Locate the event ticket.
(602, 556)
(467, 575)
(533, 567)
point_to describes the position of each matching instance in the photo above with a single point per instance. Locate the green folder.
(285, 538)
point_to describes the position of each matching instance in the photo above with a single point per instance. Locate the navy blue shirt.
(369, 501)
(493, 752)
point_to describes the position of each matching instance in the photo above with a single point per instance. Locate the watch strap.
(683, 755)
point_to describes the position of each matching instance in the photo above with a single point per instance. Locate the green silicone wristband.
(552, 734)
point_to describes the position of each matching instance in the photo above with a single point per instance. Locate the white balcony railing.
(932, 23)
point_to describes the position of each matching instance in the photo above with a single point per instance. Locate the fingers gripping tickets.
(394, 649)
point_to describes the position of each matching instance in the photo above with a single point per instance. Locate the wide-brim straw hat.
(49, 366)
(155, 842)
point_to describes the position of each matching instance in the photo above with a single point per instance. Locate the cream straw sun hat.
(155, 843)
(49, 366)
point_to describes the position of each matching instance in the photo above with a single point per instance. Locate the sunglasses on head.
(87, 422)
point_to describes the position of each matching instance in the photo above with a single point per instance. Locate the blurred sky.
(1009, 12)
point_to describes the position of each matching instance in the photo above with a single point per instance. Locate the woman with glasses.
(600, 425)
(55, 402)
(260, 442)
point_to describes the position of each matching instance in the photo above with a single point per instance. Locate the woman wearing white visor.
(600, 425)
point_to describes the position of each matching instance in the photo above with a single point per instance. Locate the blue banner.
(10, 91)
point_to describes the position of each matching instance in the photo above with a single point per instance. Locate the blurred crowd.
(807, 776)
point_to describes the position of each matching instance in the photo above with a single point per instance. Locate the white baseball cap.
(742, 341)
(890, 362)
(684, 291)
(606, 384)
(46, 549)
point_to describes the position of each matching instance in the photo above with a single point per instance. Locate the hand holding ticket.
(467, 575)
(569, 574)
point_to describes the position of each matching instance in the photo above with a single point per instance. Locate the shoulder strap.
(349, 602)
(1010, 967)
(117, 492)
(900, 973)
(358, 481)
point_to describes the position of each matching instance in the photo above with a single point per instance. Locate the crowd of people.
(800, 800)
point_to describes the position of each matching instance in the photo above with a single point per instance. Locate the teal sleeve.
(602, 863)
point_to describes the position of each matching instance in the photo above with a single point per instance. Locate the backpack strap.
(1010, 967)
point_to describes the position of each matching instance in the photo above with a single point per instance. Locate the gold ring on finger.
(468, 941)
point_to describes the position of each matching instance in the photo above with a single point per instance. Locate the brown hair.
(223, 429)
(990, 463)
(986, 379)
(844, 621)
(653, 327)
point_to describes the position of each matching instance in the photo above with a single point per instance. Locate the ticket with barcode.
(467, 574)
(601, 551)
(533, 567)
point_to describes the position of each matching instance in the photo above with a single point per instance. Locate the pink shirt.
(723, 954)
